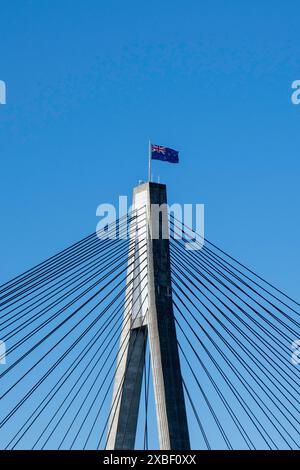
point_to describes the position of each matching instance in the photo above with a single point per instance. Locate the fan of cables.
(235, 332)
(61, 323)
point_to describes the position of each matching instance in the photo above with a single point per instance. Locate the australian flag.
(164, 154)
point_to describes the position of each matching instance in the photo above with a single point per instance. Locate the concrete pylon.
(149, 313)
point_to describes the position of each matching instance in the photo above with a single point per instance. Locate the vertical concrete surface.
(156, 321)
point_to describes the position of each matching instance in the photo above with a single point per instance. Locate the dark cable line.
(79, 272)
(239, 376)
(58, 388)
(217, 421)
(213, 260)
(116, 358)
(49, 260)
(52, 276)
(249, 296)
(70, 292)
(244, 267)
(196, 415)
(118, 391)
(232, 270)
(68, 317)
(141, 361)
(217, 389)
(243, 403)
(105, 362)
(102, 250)
(67, 294)
(205, 268)
(111, 349)
(96, 378)
(21, 402)
(79, 256)
(29, 393)
(275, 339)
(120, 388)
(252, 373)
(39, 267)
(92, 342)
(254, 310)
(119, 361)
(247, 338)
(65, 375)
(194, 262)
(228, 308)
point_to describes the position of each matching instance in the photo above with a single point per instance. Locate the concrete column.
(157, 321)
(166, 371)
(130, 362)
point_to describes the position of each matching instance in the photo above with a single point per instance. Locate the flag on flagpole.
(164, 154)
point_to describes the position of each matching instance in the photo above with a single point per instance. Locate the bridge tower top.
(150, 318)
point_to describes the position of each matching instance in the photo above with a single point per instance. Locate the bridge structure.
(131, 341)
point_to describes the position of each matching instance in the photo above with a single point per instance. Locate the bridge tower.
(149, 315)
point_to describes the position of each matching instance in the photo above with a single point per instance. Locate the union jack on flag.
(164, 154)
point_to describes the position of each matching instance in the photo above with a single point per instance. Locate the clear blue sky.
(89, 82)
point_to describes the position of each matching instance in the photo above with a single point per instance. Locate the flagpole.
(149, 162)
